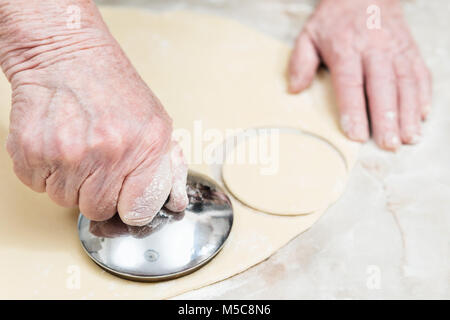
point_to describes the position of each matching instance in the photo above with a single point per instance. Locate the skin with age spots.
(84, 127)
(383, 64)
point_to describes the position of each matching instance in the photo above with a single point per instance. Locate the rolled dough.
(306, 173)
(203, 68)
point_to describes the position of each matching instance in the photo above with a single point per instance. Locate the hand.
(383, 64)
(86, 129)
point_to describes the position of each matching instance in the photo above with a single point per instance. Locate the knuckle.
(108, 140)
(405, 76)
(158, 132)
(26, 140)
(29, 142)
(67, 145)
(67, 151)
(349, 78)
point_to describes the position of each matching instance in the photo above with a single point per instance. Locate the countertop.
(388, 236)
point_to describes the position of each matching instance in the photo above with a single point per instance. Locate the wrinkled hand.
(383, 64)
(86, 129)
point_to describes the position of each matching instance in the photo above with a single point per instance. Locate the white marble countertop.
(388, 236)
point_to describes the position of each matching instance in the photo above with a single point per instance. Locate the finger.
(25, 174)
(382, 95)
(347, 77)
(111, 228)
(62, 188)
(98, 194)
(64, 182)
(178, 199)
(303, 63)
(145, 191)
(424, 83)
(408, 100)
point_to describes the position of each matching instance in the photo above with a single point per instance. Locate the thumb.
(144, 192)
(303, 63)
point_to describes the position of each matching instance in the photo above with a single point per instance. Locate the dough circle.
(300, 175)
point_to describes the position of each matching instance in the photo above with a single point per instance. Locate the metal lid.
(171, 245)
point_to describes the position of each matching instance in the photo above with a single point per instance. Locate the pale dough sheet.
(202, 68)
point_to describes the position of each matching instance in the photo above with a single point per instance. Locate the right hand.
(86, 129)
(381, 65)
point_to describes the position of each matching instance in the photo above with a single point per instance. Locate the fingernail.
(391, 140)
(179, 202)
(360, 133)
(412, 135)
(345, 123)
(132, 219)
(291, 87)
(294, 84)
(426, 111)
(390, 115)
(353, 128)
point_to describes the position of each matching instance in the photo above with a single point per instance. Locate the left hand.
(383, 63)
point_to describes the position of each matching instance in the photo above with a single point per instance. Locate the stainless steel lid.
(172, 245)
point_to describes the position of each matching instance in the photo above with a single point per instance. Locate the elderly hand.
(84, 127)
(366, 57)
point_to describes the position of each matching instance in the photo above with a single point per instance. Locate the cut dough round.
(302, 175)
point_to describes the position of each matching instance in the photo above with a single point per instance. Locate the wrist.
(33, 33)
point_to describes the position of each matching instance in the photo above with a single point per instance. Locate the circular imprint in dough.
(285, 174)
